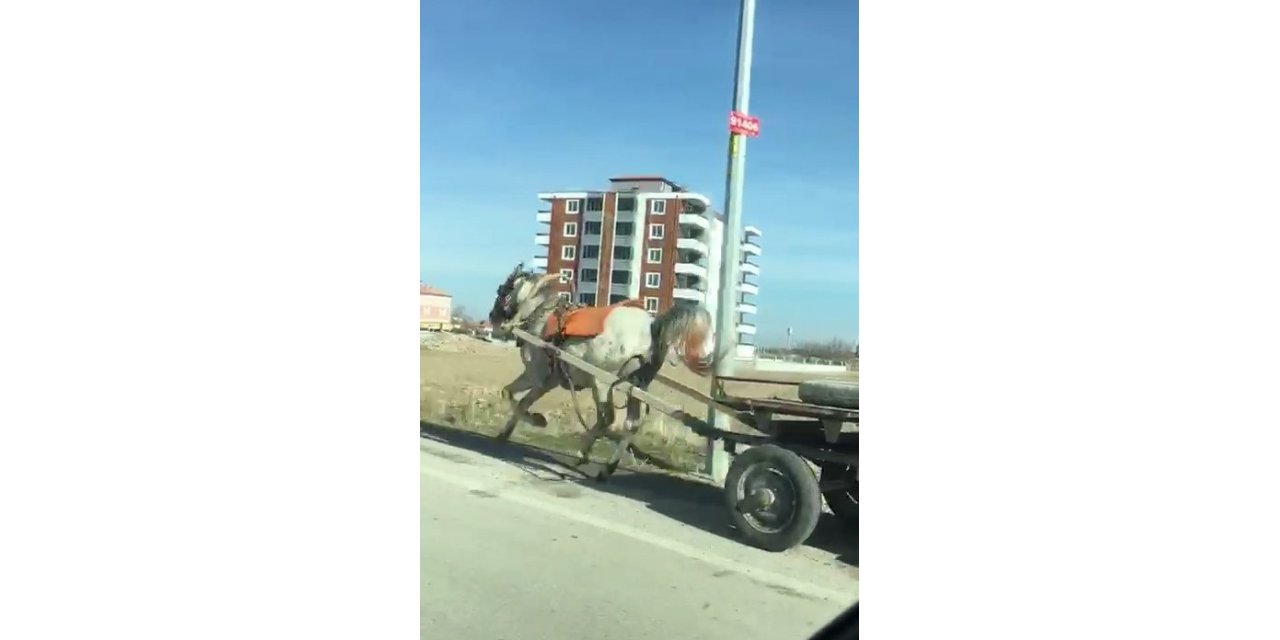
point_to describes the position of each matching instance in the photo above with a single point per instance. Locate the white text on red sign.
(743, 124)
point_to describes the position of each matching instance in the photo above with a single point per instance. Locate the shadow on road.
(686, 500)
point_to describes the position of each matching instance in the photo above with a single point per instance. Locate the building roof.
(431, 291)
(631, 178)
(646, 179)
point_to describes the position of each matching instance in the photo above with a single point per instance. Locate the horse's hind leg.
(602, 398)
(630, 427)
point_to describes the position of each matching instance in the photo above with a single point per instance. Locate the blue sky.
(520, 97)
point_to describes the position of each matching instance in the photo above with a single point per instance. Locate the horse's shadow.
(686, 500)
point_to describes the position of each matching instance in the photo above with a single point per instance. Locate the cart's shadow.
(685, 500)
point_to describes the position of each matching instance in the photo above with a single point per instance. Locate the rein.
(561, 310)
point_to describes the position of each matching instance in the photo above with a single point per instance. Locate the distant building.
(644, 237)
(435, 309)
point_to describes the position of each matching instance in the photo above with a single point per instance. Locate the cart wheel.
(773, 497)
(843, 502)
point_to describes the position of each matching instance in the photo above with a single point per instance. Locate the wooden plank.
(759, 380)
(789, 407)
(685, 389)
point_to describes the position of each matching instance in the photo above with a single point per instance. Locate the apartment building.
(644, 237)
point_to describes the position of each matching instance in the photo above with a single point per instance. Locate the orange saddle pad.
(585, 322)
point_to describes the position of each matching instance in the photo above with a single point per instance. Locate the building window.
(568, 252)
(651, 305)
(588, 275)
(564, 295)
(590, 251)
(620, 277)
(566, 275)
(652, 280)
(656, 231)
(591, 228)
(595, 203)
(572, 206)
(626, 203)
(624, 229)
(746, 339)
(588, 299)
(659, 206)
(622, 253)
(616, 298)
(655, 256)
(570, 229)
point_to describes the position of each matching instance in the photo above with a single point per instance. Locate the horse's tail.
(687, 329)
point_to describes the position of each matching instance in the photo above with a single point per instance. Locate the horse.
(622, 338)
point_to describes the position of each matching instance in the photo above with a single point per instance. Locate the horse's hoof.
(503, 436)
(538, 420)
(602, 476)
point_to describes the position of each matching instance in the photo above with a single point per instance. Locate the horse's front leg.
(523, 382)
(603, 400)
(536, 389)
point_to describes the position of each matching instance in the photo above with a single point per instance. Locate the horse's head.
(518, 289)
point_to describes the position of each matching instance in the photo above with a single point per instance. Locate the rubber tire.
(808, 506)
(841, 503)
(832, 393)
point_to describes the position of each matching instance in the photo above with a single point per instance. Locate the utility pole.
(717, 465)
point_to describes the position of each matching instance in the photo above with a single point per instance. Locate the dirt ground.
(461, 378)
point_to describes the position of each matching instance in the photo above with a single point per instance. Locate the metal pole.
(717, 464)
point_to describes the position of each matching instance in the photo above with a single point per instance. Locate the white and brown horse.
(626, 341)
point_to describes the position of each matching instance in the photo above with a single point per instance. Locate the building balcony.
(544, 217)
(747, 267)
(691, 269)
(692, 244)
(690, 282)
(747, 328)
(751, 248)
(694, 220)
(542, 239)
(540, 262)
(749, 288)
(695, 204)
(750, 230)
(681, 293)
(746, 307)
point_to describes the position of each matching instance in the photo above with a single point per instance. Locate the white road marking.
(535, 500)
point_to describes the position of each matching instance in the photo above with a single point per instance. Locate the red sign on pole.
(743, 124)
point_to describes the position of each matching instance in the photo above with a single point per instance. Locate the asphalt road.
(517, 546)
